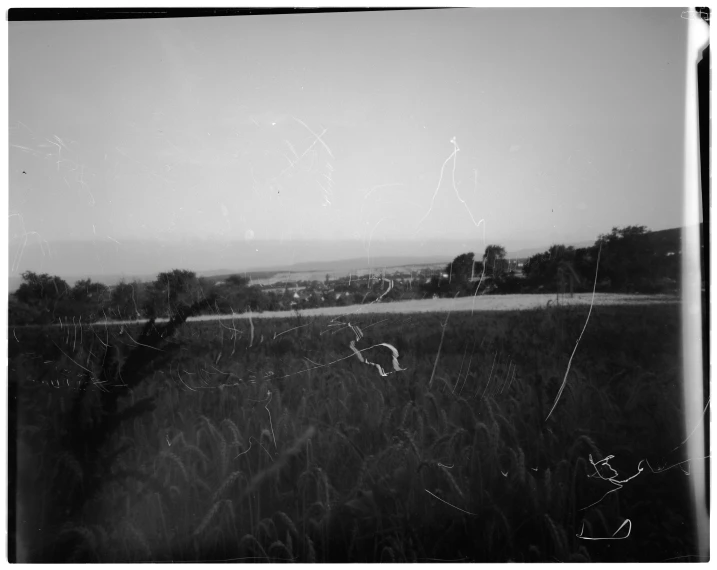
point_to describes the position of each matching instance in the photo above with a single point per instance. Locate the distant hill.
(528, 252)
(362, 263)
(664, 241)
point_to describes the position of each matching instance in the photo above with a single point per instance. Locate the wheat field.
(273, 441)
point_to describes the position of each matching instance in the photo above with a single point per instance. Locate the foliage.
(85, 291)
(555, 266)
(237, 295)
(41, 288)
(494, 260)
(126, 300)
(464, 267)
(43, 298)
(509, 284)
(461, 268)
(631, 260)
(23, 313)
(171, 291)
(44, 293)
(238, 281)
(437, 285)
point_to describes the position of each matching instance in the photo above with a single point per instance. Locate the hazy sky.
(335, 127)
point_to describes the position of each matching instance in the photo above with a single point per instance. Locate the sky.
(235, 142)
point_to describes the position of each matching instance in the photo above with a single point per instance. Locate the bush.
(20, 313)
(509, 284)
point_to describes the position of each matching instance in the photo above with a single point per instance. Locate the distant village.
(336, 287)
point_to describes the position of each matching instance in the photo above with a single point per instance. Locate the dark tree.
(41, 288)
(172, 291)
(493, 258)
(44, 294)
(238, 281)
(555, 269)
(461, 268)
(126, 300)
(626, 257)
(89, 293)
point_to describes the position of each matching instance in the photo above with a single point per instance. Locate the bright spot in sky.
(249, 235)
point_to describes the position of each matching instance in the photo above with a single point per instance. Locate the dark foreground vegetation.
(272, 441)
(631, 260)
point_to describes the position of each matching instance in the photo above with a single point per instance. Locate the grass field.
(269, 440)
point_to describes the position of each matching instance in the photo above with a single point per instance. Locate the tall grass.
(263, 456)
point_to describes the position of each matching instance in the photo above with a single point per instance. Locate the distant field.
(473, 304)
(479, 304)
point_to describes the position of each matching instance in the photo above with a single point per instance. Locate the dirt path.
(478, 304)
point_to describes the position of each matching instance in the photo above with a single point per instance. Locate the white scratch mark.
(565, 379)
(614, 535)
(447, 503)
